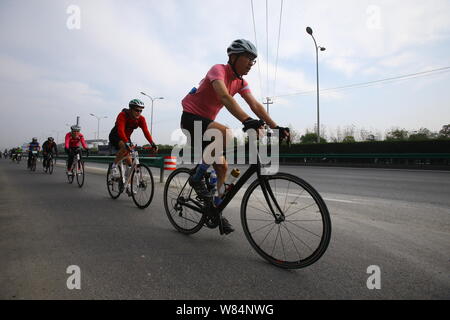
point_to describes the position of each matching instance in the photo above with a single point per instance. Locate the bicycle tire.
(172, 206)
(50, 166)
(71, 176)
(142, 185)
(33, 164)
(314, 198)
(80, 173)
(110, 183)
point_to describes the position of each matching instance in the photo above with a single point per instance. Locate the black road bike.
(284, 218)
(48, 164)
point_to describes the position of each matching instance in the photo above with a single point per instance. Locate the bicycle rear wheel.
(114, 185)
(295, 241)
(142, 186)
(178, 192)
(80, 173)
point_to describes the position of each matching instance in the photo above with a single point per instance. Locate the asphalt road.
(398, 220)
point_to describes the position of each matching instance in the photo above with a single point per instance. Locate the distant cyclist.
(216, 90)
(32, 146)
(19, 152)
(72, 144)
(127, 121)
(48, 148)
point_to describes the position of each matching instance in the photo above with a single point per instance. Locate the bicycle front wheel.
(80, 173)
(178, 192)
(50, 166)
(33, 164)
(300, 236)
(142, 186)
(114, 185)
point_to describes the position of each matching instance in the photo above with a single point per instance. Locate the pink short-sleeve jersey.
(205, 102)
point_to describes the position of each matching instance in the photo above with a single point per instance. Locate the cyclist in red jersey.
(72, 144)
(127, 121)
(216, 90)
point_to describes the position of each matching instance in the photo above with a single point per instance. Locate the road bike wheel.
(70, 177)
(114, 185)
(80, 173)
(177, 191)
(33, 164)
(142, 186)
(50, 166)
(302, 237)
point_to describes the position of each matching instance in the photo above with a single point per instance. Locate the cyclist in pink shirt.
(215, 91)
(72, 145)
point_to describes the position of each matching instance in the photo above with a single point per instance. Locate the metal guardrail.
(370, 155)
(156, 162)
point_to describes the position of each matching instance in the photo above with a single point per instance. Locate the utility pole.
(267, 103)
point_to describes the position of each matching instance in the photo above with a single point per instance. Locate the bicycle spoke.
(308, 206)
(276, 239)
(298, 238)
(304, 229)
(295, 200)
(266, 212)
(266, 225)
(282, 245)
(293, 242)
(285, 199)
(267, 235)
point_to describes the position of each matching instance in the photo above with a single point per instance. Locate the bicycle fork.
(268, 195)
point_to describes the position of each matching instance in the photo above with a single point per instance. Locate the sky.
(62, 59)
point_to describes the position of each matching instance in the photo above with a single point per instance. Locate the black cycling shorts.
(114, 138)
(187, 123)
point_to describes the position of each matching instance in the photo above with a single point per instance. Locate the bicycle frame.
(135, 162)
(76, 159)
(267, 192)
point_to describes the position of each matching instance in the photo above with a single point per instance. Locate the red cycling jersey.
(125, 125)
(72, 142)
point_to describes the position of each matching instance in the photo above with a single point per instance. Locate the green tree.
(349, 139)
(397, 135)
(311, 137)
(422, 134)
(445, 132)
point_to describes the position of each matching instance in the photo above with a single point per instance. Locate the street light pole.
(152, 99)
(310, 32)
(98, 124)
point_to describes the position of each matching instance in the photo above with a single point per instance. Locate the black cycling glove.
(284, 132)
(251, 123)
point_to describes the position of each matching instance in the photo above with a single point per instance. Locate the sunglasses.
(138, 110)
(251, 58)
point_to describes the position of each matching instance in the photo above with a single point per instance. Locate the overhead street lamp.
(153, 99)
(310, 32)
(98, 124)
